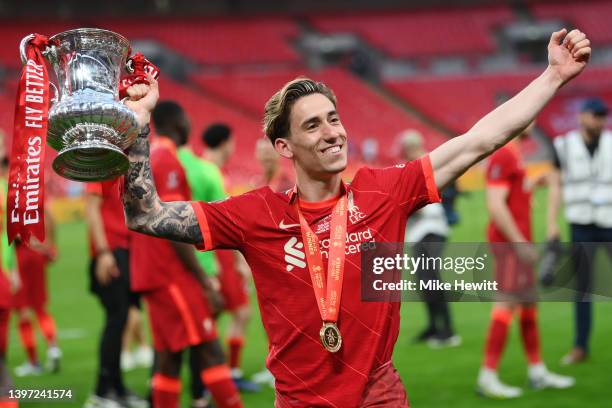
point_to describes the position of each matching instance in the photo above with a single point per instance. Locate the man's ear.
(282, 147)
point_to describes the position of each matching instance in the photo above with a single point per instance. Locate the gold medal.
(330, 337)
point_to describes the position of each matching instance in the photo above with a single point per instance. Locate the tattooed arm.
(144, 211)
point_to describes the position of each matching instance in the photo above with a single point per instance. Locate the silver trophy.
(88, 125)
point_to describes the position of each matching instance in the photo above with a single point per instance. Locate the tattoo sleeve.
(144, 211)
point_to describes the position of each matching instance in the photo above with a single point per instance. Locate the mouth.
(333, 149)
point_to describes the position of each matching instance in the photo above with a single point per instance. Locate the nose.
(330, 132)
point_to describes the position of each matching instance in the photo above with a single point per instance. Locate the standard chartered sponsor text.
(354, 242)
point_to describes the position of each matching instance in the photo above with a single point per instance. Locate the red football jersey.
(32, 267)
(505, 168)
(264, 226)
(111, 210)
(153, 261)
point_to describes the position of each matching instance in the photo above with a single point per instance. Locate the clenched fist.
(568, 53)
(142, 98)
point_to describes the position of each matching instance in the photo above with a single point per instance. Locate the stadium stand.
(218, 41)
(428, 32)
(13, 31)
(592, 16)
(457, 102)
(7, 108)
(215, 41)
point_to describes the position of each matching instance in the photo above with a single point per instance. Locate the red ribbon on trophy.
(139, 67)
(25, 199)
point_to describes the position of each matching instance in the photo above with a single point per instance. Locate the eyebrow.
(315, 119)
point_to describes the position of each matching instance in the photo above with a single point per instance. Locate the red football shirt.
(505, 169)
(117, 234)
(264, 226)
(153, 261)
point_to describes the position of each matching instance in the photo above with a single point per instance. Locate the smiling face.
(317, 140)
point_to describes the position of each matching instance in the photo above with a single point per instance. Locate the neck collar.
(293, 196)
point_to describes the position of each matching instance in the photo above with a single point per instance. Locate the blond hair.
(278, 107)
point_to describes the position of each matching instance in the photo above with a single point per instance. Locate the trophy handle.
(22, 47)
(49, 53)
(55, 97)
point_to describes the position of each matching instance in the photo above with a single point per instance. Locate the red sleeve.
(223, 223)
(500, 169)
(411, 185)
(170, 179)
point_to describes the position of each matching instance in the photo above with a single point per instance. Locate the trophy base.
(96, 161)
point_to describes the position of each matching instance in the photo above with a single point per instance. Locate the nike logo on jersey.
(282, 225)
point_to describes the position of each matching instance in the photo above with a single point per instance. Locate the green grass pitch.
(433, 378)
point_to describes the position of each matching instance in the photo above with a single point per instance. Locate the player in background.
(272, 173)
(427, 230)
(6, 383)
(31, 300)
(198, 178)
(6, 265)
(509, 206)
(181, 299)
(588, 208)
(109, 276)
(317, 352)
(228, 267)
(234, 273)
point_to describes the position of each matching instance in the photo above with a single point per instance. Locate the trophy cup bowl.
(88, 125)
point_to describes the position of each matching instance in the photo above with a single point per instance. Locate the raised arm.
(144, 211)
(566, 60)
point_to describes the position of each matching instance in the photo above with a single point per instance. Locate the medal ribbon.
(25, 212)
(328, 289)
